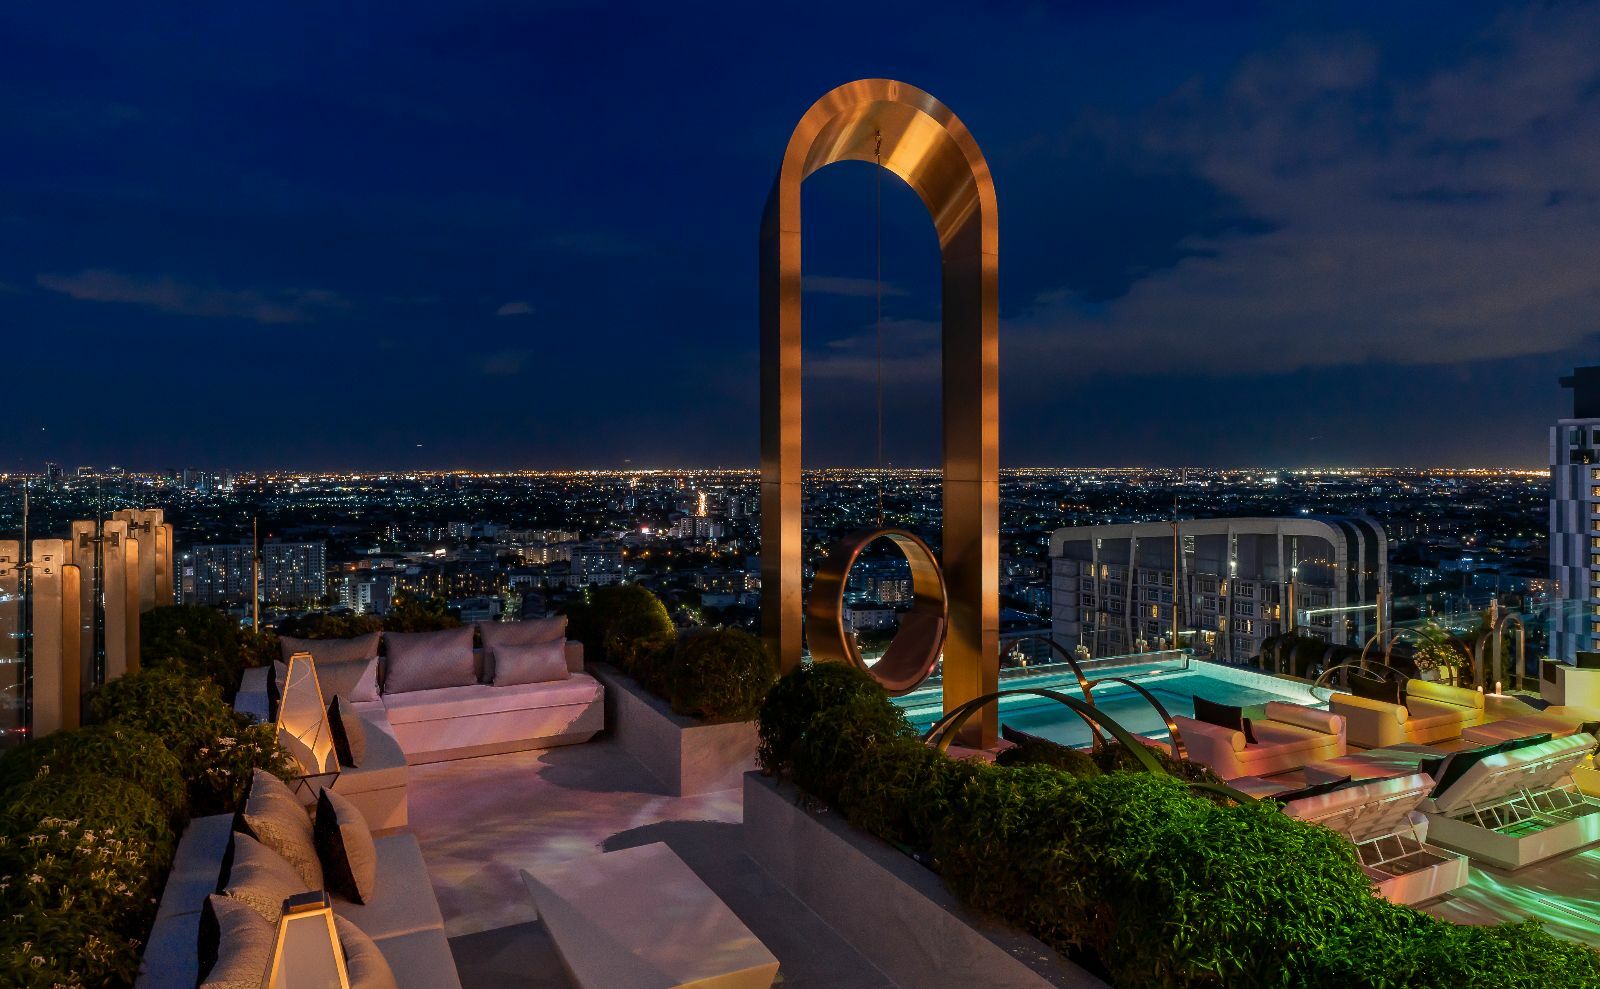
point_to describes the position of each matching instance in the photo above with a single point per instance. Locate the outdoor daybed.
(1428, 712)
(441, 698)
(1290, 736)
(1515, 803)
(1381, 819)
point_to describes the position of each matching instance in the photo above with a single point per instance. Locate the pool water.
(1175, 687)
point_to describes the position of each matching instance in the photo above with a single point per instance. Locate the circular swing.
(918, 644)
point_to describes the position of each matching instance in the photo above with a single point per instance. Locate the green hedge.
(624, 625)
(89, 822)
(1131, 873)
(715, 675)
(202, 642)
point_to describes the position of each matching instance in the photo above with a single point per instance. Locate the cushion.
(464, 702)
(274, 816)
(537, 662)
(349, 733)
(344, 843)
(1315, 790)
(1447, 771)
(363, 962)
(1387, 691)
(235, 945)
(429, 660)
(332, 650)
(1224, 716)
(260, 877)
(523, 633)
(355, 680)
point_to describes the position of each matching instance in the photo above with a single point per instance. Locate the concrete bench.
(640, 917)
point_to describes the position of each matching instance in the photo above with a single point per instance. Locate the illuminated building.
(1236, 576)
(1575, 519)
(291, 573)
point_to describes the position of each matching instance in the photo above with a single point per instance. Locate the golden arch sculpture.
(929, 148)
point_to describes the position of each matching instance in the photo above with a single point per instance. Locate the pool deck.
(480, 821)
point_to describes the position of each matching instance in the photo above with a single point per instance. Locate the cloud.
(506, 362)
(517, 308)
(172, 296)
(853, 287)
(1412, 220)
(911, 355)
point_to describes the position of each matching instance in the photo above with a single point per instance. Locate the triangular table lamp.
(307, 954)
(303, 725)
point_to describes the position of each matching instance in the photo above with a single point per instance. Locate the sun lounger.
(1513, 804)
(1380, 817)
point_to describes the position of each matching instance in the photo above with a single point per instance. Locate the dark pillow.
(1223, 716)
(536, 662)
(344, 844)
(429, 660)
(1387, 691)
(349, 733)
(1314, 790)
(235, 944)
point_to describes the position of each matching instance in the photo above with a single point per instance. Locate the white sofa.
(1433, 712)
(475, 719)
(403, 918)
(1290, 736)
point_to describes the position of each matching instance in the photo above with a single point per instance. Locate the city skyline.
(1281, 235)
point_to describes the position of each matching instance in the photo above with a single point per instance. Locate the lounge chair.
(1290, 736)
(1515, 803)
(1381, 819)
(1432, 712)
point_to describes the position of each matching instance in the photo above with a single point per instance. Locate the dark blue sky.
(506, 235)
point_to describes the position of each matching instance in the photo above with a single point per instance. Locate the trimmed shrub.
(623, 625)
(202, 642)
(115, 750)
(716, 675)
(53, 949)
(1036, 751)
(798, 697)
(1133, 873)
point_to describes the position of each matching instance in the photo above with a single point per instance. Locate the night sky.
(524, 235)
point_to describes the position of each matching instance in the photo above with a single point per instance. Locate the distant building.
(1235, 577)
(479, 609)
(291, 573)
(1575, 520)
(862, 616)
(367, 591)
(595, 564)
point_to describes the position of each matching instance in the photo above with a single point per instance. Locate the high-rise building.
(1112, 584)
(595, 563)
(1575, 520)
(291, 573)
(52, 474)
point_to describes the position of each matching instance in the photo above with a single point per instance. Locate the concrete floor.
(481, 821)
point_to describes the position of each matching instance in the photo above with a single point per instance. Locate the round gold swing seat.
(915, 650)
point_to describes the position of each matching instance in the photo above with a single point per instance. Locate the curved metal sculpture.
(1394, 635)
(1086, 686)
(917, 138)
(1321, 682)
(915, 649)
(1496, 634)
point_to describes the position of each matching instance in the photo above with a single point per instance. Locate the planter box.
(895, 912)
(685, 755)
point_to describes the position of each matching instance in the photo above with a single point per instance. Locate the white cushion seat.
(456, 702)
(396, 908)
(1286, 738)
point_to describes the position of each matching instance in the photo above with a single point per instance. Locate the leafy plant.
(623, 624)
(96, 801)
(115, 750)
(202, 642)
(715, 675)
(797, 698)
(53, 949)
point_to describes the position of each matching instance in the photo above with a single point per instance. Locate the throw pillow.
(355, 680)
(1374, 689)
(235, 944)
(429, 660)
(260, 877)
(363, 962)
(274, 816)
(333, 650)
(344, 842)
(349, 733)
(1223, 716)
(538, 662)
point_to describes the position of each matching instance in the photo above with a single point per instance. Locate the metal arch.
(1321, 681)
(920, 140)
(1179, 749)
(1522, 647)
(915, 650)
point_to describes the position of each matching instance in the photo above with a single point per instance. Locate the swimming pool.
(1175, 684)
